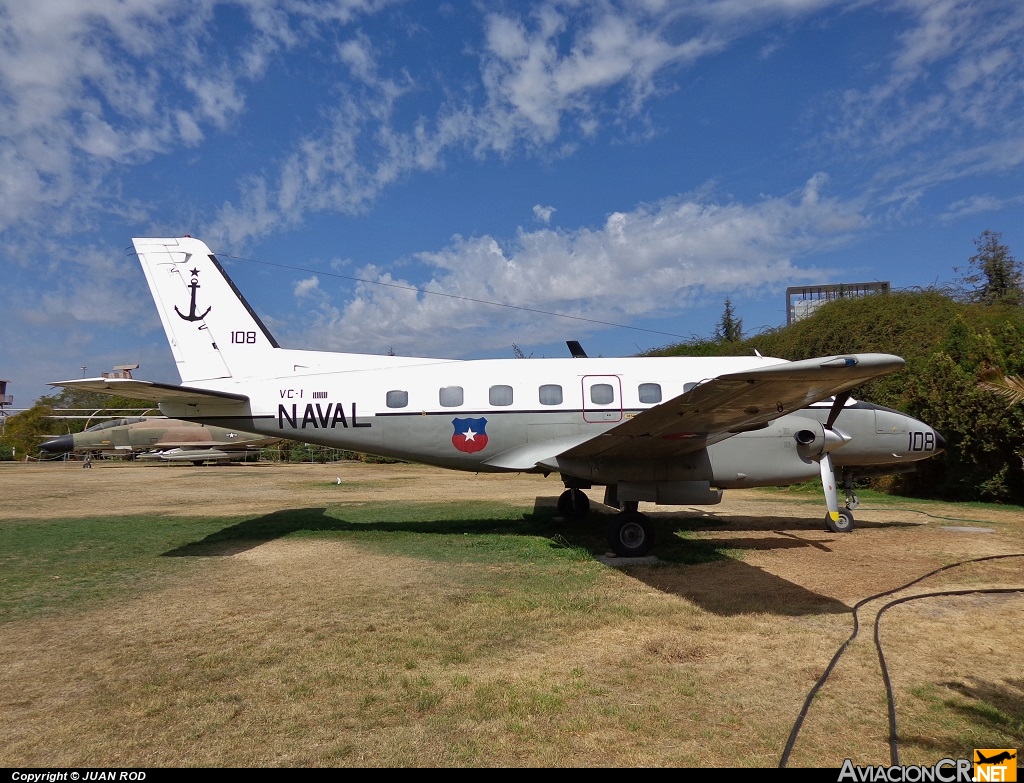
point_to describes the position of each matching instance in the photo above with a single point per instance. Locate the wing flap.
(737, 402)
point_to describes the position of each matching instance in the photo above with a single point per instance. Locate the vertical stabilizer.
(212, 331)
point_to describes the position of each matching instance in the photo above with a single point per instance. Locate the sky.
(461, 179)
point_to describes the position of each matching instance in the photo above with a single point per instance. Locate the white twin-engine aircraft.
(661, 430)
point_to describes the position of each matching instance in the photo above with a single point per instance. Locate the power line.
(453, 296)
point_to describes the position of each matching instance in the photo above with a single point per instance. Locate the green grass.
(46, 566)
(50, 565)
(962, 716)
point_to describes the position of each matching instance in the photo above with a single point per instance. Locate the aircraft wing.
(244, 443)
(149, 390)
(192, 445)
(737, 402)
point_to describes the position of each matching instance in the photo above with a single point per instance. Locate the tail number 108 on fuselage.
(921, 441)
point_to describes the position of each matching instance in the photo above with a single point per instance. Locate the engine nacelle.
(817, 441)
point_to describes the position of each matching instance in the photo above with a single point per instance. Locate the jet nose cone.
(61, 445)
(940, 442)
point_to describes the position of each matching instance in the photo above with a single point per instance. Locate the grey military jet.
(160, 438)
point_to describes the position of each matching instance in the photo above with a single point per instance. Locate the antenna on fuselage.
(576, 349)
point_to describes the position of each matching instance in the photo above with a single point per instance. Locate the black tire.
(845, 523)
(573, 505)
(630, 534)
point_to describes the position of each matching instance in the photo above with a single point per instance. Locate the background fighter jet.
(157, 437)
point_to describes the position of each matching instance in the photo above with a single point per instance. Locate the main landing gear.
(573, 505)
(630, 533)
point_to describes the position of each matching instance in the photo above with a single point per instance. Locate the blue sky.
(633, 163)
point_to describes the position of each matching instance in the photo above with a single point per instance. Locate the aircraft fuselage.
(519, 414)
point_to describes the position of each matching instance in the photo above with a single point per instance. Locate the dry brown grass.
(309, 652)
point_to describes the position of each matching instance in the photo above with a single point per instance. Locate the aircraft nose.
(940, 442)
(61, 445)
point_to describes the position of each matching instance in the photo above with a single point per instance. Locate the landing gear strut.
(630, 533)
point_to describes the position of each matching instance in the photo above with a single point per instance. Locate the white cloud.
(543, 214)
(951, 92)
(533, 80)
(652, 261)
(554, 67)
(139, 78)
(306, 287)
(85, 84)
(978, 204)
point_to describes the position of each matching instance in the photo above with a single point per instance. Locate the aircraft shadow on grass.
(698, 570)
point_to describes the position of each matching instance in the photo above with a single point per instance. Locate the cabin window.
(500, 395)
(550, 394)
(397, 399)
(602, 394)
(650, 392)
(688, 386)
(450, 396)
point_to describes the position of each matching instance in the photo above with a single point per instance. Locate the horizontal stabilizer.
(149, 390)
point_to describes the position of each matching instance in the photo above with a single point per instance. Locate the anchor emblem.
(194, 284)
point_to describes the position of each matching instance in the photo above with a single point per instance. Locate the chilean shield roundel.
(470, 435)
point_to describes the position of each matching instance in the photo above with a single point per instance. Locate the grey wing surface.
(729, 404)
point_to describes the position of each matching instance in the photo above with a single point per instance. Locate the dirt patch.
(307, 652)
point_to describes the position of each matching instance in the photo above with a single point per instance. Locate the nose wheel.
(842, 525)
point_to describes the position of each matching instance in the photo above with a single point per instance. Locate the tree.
(996, 277)
(730, 328)
(24, 432)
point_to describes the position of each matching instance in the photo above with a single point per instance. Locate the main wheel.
(845, 523)
(573, 505)
(630, 534)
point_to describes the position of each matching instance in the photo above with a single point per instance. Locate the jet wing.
(737, 402)
(192, 445)
(244, 443)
